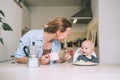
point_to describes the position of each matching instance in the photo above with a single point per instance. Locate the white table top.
(59, 72)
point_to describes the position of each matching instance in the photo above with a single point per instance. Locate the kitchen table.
(65, 71)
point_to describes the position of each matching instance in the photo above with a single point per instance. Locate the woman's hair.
(58, 23)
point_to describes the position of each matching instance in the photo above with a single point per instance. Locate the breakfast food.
(83, 63)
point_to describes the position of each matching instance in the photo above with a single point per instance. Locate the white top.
(59, 72)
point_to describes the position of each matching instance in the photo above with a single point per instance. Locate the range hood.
(84, 16)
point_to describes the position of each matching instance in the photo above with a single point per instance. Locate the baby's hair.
(90, 42)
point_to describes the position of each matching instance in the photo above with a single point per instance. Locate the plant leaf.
(0, 20)
(1, 40)
(6, 26)
(1, 12)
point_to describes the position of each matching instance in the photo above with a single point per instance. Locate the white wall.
(109, 30)
(92, 27)
(94, 7)
(41, 15)
(26, 21)
(13, 16)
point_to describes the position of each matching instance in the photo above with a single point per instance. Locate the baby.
(87, 48)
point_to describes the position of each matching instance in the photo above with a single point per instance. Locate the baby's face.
(86, 49)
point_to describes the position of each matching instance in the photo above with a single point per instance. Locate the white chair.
(77, 53)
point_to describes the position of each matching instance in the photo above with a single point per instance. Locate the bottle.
(33, 56)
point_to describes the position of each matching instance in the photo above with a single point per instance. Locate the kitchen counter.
(63, 71)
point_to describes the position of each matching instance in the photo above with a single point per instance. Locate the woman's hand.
(68, 55)
(45, 59)
(70, 52)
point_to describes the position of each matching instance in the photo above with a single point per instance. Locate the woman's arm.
(22, 60)
(43, 60)
(66, 57)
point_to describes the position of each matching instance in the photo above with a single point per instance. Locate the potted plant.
(4, 25)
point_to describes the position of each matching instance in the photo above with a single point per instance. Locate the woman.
(48, 39)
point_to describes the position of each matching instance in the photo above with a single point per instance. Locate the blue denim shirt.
(37, 37)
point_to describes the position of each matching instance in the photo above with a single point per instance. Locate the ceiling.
(51, 3)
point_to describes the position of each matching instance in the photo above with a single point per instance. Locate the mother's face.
(60, 36)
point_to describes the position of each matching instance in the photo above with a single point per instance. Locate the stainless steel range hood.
(84, 16)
